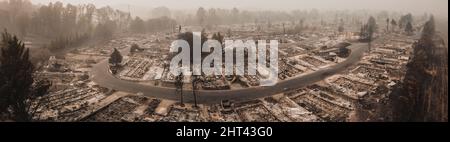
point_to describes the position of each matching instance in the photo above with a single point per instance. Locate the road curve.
(100, 74)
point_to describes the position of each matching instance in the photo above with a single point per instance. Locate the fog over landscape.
(437, 7)
(137, 60)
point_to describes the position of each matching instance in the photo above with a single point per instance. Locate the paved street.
(101, 75)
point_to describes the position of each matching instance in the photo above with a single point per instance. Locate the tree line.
(160, 24)
(59, 20)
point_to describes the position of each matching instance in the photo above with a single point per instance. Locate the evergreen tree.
(423, 95)
(367, 31)
(195, 82)
(409, 29)
(371, 27)
(429, 29)
(341, 26)
(116, 58)
(393, 24)
(134, 48)
(404, 20)
(17, 87)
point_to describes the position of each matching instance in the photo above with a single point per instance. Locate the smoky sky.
(437, 7)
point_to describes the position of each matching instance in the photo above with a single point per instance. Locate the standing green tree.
(115, 58)
(18, 90)
(371, 27)
(423, 94)
(367, 31)
(393, 24)
(134, 48)
(405, 20)
(201, 16)
(138, 25)
(429, 29)
(409, 29)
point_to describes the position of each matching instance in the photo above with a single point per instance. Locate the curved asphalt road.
(100, 74)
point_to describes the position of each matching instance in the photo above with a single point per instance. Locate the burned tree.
(135, 48)
(179, 86)
(393, 24)
(195, 82)
(201, 16)
(371, 27)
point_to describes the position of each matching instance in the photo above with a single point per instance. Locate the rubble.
(75, 98)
